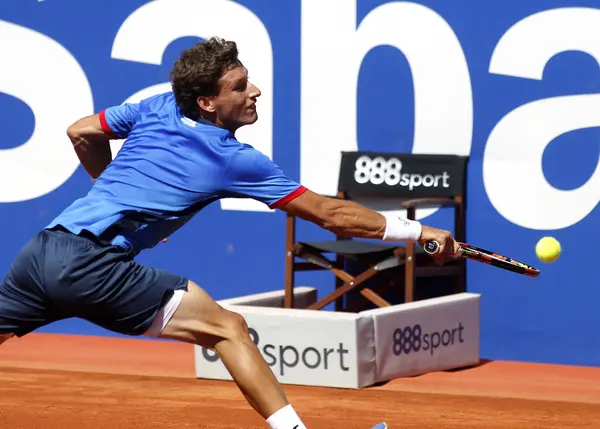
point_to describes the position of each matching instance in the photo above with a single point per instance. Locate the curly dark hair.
(198, 70)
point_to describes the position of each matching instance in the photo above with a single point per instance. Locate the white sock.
(285, 418)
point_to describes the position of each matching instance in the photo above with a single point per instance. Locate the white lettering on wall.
(330, 71)
(512, 170)
(40, 79)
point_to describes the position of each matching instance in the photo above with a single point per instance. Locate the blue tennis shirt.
(169, 168)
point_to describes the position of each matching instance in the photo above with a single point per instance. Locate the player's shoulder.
(247, 150)
(245, 156)
(242, 151)
(158, 102)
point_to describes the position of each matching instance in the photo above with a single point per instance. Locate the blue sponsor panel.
(514, 85)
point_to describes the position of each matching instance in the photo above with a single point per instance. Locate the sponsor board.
(425, 336)
(354, 350)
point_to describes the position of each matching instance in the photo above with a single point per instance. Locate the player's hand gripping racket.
(487, 257)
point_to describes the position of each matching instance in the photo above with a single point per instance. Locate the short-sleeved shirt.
(169, 168)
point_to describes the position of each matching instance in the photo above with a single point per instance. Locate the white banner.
(354, 350)
(307, 347)
(425, 336)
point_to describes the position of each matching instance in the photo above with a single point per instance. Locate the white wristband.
(399, 229)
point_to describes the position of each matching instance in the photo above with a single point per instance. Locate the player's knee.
(235, 326)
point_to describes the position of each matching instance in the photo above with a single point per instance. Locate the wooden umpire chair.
(407, 260)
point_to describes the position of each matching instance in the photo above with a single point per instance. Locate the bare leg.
(200, 320)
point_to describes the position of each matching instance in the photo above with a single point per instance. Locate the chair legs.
(409, 273)
(410, 262)
(288, 297)
(351, 283)
(345, 282)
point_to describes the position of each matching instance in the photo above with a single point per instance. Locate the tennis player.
(180, 155)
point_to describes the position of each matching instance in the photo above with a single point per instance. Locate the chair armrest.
(418, 202)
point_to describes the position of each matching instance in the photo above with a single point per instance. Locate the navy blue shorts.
(59, 275)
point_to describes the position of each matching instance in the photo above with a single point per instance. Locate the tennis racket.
(487, 257)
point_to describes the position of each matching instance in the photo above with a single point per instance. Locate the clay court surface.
(59, 381)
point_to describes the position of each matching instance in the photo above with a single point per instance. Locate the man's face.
(235, 105)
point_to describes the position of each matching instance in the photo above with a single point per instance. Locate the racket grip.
(431, 247)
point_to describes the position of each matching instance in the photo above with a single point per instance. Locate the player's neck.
(219, 123)
(215, 122)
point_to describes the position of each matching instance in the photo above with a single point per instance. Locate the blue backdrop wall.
(513, 84)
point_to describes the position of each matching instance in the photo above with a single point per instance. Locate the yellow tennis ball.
(548, 249)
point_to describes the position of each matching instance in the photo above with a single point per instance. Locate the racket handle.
(431, 247)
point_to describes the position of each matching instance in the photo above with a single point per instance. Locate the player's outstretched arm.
(350, 219)
(91, 144)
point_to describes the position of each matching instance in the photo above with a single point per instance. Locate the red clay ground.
(68, 382)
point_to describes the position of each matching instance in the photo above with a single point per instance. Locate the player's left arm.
(257, 176)
(253, 174)
(91, 144)
(90, 135)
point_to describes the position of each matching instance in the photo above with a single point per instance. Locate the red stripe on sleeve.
(104, 125)
(291, 196)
